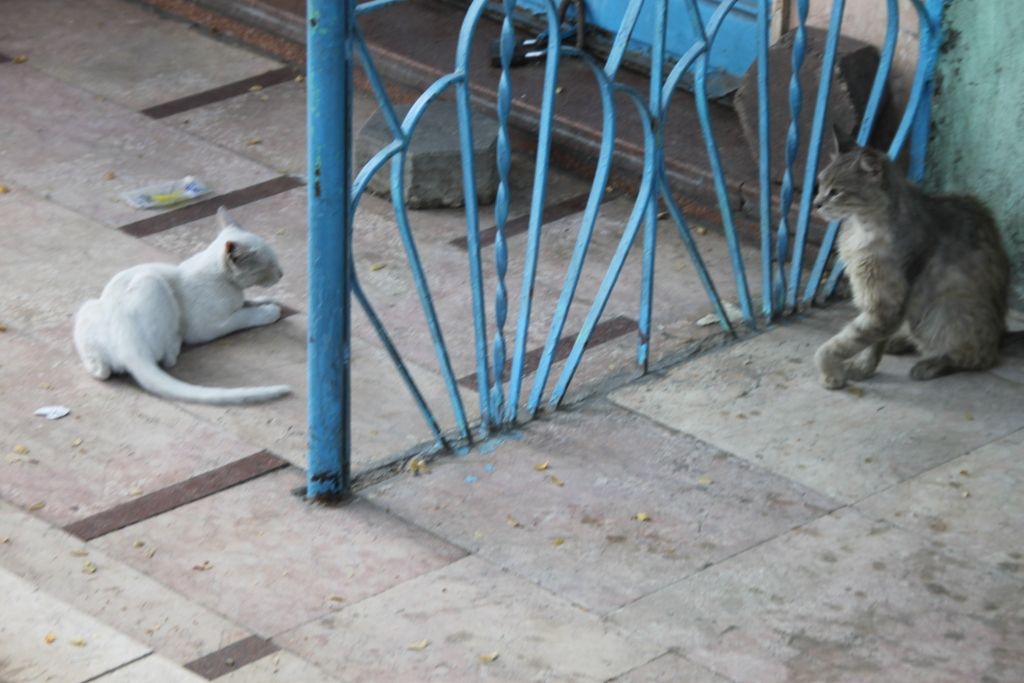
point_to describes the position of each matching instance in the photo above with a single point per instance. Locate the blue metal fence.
(334, 40)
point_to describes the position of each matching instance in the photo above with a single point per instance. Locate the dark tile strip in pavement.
(223, 92)
(566, 207)
(231, 658)
(208, 207)
(606, 331)
(175, 495)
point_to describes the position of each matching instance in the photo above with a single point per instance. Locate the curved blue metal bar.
(651, 224)
(537, 200)
(930, 18)
(647, 185)
(792, 147)
(622, 37)
(476, 277)
(691, 246)
(396, 358)
(590, 213)
(379, 91)
(704, 115)
(412, 255)
(814, 152)
(764, 158)
(867, 125)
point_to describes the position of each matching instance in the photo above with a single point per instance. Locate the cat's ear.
(235, 251)
(225, 219)
(870, 164)
(841, 142)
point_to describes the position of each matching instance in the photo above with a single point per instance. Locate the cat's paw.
(268, 313)
(859, 372)
(831, 371)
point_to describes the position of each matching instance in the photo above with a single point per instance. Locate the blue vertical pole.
(329, 118)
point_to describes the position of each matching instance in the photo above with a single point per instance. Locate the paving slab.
(87, 44)
(385, 419)
(117, 443)
(437, 627)
(843, 599)
(80, 648)
(62, 142)
(269, 561)
(150, 669)
(571, 527)
(761, 401)
(670, 668)
(116, 594)
(280, 667)
(971, 504)
(53, 259)
(274, 116)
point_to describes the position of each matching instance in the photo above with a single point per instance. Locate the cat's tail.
(153, 379)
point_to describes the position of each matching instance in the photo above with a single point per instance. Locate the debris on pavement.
(418, 645)
(53, 412)
(162, 195)
(731, 311)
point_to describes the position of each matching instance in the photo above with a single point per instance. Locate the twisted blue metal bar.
(867, 125)
(792, 146)
(701, 92)
(651, 224)
(537, 199)
(590, 213)
(504, 157)
(814, 152)
(647, 185)
(476, 278)
(930, 33)
(764, 158)
(329, 115)
(412, 255)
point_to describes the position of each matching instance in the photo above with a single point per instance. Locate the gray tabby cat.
(928, 272)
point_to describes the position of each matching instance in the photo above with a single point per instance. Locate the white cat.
(146, 312)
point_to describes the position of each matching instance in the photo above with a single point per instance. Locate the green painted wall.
(977, 143)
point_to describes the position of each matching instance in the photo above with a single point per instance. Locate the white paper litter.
(166, 194)
(53, 412)
(731, 311)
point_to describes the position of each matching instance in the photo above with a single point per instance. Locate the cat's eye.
(833, 192)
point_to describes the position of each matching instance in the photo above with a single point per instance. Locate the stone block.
(853, 76)
(433, 165)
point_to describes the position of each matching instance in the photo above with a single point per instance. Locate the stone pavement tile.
(118, 442)
(53, 259)
(571, 528)
(972, 504)
(761, 401)
(116, 594)
(269, 561)
(1011, 365)
(844, 600)
(61, 141)
(275, 116)
(437, 627)
(385, 419)
(151, 669)
(121, 51)
(280, 667)
(670, 668)
(30, 616)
